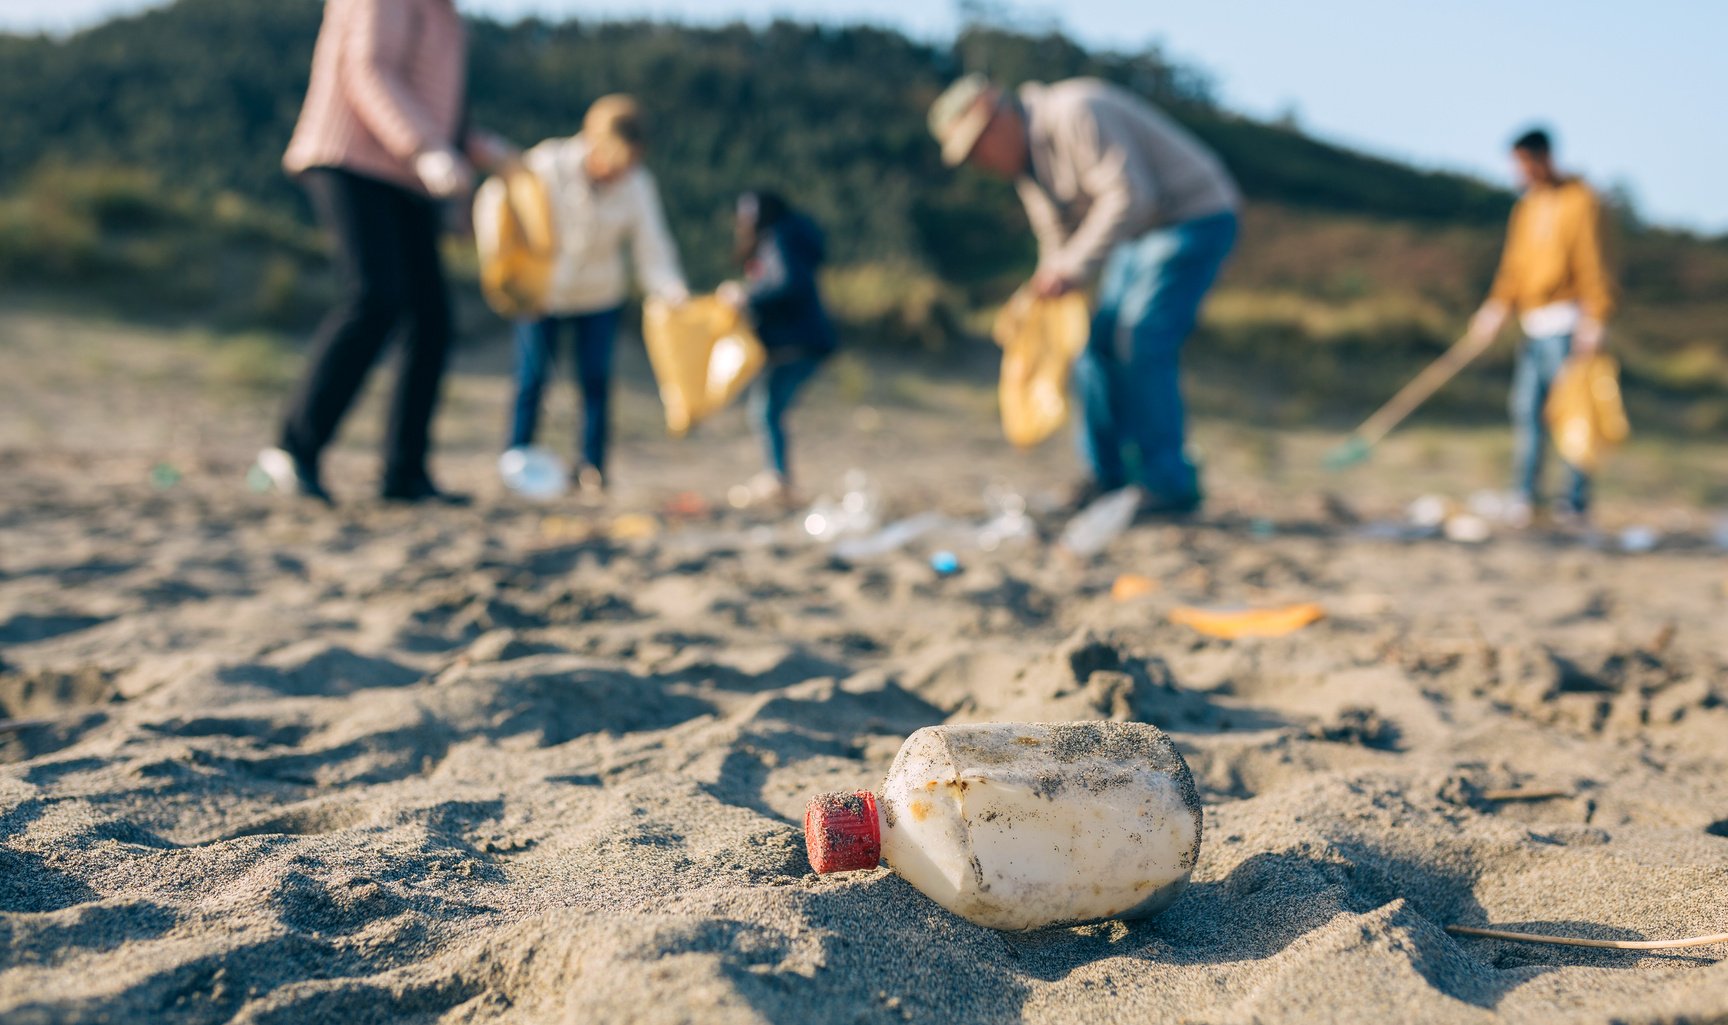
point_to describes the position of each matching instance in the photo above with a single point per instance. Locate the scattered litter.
(945, 563)
(687, 505)
(164, 476)
(1086, 820)
(891, 538)
(257, 481)
(857, 511)
(633, 527)
(1131, 586)
(1467, 529)
(1008, 520)
(1640, 539)
(1234, 623)
(1095, 526)
(534, 472)
(1429, 511)
(559, 529)
(1262, 529)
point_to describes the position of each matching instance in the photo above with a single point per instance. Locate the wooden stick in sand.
(1573, 941)
(1462, 353)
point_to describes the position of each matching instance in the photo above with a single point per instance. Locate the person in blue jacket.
(780, 249)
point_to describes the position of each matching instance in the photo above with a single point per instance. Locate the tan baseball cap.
(960, 115)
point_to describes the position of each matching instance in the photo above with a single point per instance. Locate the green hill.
(140, 163)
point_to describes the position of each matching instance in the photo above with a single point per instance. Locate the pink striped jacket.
(388, 81)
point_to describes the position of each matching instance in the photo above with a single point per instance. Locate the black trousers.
(386, 241)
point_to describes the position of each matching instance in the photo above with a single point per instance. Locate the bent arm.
(1115, 175)
(656, 254)
(1595, 282)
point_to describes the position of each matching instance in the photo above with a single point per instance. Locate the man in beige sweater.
(1119, 195)
(380, 142)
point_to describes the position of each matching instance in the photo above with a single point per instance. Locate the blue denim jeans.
(536, 351)
(1127, 379)
(771, 396)
(1539, 362)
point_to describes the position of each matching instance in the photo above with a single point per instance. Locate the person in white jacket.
(604, 203)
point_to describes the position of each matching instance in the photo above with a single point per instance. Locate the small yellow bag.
(513, 233)
(703, 353)
(1040, 340)
(1584, 411)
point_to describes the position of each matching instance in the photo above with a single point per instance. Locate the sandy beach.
(261, 762)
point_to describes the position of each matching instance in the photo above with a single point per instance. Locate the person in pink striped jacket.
(381, 141)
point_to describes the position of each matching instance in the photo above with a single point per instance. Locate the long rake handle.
(1421, 387)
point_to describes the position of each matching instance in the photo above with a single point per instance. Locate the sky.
(1632, 90)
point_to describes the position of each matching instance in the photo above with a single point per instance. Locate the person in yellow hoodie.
(1554, 275)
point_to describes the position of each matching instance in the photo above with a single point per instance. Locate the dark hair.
(758, 211)
(1535, 142)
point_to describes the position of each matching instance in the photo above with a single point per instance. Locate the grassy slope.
(1351, 272)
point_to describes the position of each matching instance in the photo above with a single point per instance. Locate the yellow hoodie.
(1554, 252)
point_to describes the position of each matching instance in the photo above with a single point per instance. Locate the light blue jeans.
(1128, 378)
(1539, 362)
(591, 362)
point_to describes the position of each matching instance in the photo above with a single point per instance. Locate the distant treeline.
(205, 92)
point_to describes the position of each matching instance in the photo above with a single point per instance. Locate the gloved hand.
(444, 172)
(675, 295)
(732, 294)
(1588, 337)
(1048, 284)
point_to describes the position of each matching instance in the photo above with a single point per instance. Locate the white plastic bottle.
(534, 472)
(1024, 825)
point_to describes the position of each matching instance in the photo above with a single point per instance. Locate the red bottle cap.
(841, 832)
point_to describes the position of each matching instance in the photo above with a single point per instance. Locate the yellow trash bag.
(1585, 415)
(1040, 340)
(703, 354)
(513, 232)
(1234, 623)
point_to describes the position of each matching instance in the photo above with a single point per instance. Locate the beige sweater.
(1106, 166)
(594, 226)
(387, 84)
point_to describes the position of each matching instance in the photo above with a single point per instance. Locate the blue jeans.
(1539, 362)
(771, 396)
(536, 350)
(1127, 379)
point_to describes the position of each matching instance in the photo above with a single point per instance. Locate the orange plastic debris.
(1040, 340)
(633, 527)
(1233, 623)
(1584, 411)
(703, 355)
(1130, 586)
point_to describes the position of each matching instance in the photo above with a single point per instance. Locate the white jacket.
(593, 223)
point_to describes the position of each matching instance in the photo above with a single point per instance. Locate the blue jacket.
(780, 284)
